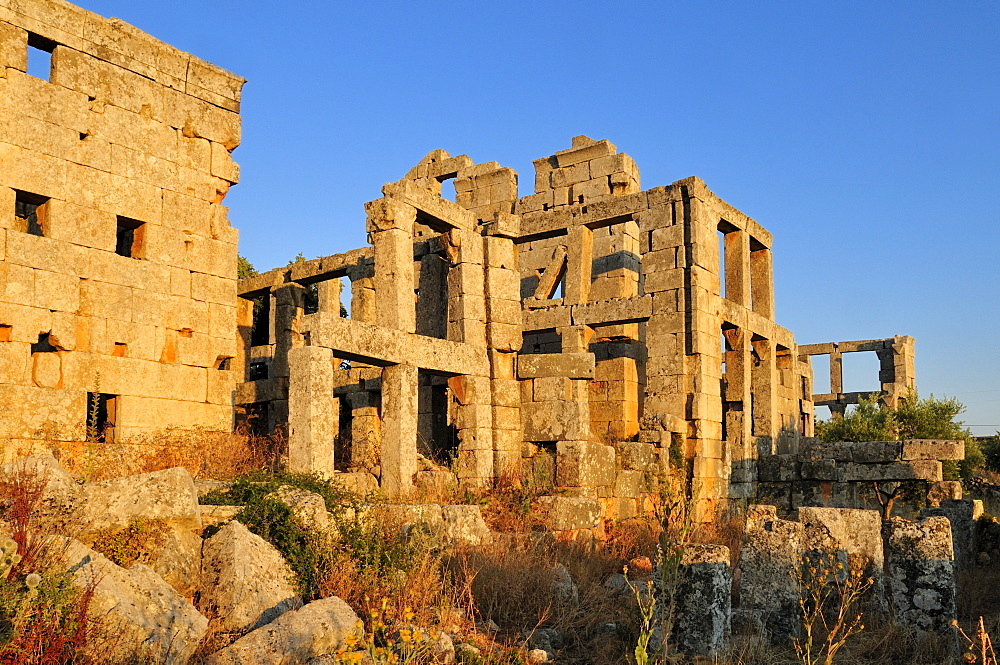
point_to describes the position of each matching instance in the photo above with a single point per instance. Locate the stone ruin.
(592, 332)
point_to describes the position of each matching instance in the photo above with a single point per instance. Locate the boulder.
(315, 630)
(168, 495)
(61, 493)
(150, 616)
(308, 508)
(245, 581)
(178, 560)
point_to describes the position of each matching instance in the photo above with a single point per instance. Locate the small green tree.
(913, 418)
(244, 268)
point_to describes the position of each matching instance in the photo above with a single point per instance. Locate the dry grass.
(205, 454)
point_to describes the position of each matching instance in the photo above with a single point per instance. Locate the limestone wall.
(118, 261)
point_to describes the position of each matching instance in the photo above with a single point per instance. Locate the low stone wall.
(842, 474)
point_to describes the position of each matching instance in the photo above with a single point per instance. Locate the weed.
(979, 650)
(828, 596)
(133, 544)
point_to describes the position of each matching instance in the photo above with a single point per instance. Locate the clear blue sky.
(863, 135)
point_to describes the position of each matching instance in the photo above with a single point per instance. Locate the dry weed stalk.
(828, 596)
(979, 650)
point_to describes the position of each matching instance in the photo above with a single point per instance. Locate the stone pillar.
(313, 411)
(503, 335)
(399, 429)
(473, 417)
(329, 296)
(843, 532)
(704, 601)
(579, 262)
(366, 430)
(762, 282)
(244, 327)
(764, 379)
(390, 224)
(920, 573)
(736, 270)
(769, 556)
(287, 314)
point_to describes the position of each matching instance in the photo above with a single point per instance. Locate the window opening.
(129, 243)
(43, 345)
(257, 371)
(40, 56)
(30, 209)
(6, 332)
(223, 363)
(120, 350)
(260, 335)
(102, 414)
(861, 371)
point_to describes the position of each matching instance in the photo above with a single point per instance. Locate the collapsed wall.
(118, 300)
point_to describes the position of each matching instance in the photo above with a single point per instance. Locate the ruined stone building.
(590, 320)
(117, 262)
(592, 333)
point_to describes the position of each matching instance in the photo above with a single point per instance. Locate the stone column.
(313, 411)
(287, 314)
(390, 224)
(736, 271)
(399, 429)
(764, 377)
(329, 296)
(579, 262)
(704, 601)
(769, 555)
(920, 573)
(762, 281)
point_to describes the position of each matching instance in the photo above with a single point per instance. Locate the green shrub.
(133, 544)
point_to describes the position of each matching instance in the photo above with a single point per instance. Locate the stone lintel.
(448, 212)
(355, 340)
(568, 365)
(929, 449)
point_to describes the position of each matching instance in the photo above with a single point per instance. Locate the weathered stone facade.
(117, 262)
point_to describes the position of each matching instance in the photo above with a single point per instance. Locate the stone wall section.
(118, 262)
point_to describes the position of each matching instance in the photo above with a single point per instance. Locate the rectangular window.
(129, 243)
(30, 210)
(40, 56)
(102, 413)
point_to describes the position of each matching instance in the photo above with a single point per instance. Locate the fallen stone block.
(245, 581)
(845, 532)
(465, 526)
(318, 629)
(168, 495)
(145, 612)
(308, 508)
